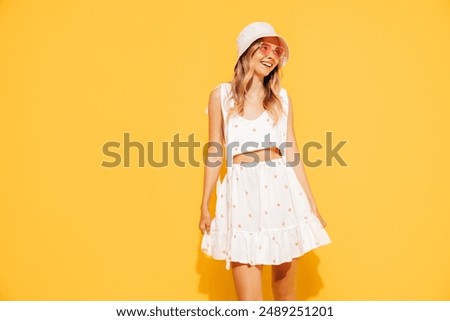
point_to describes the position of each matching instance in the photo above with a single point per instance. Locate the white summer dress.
(262, 213)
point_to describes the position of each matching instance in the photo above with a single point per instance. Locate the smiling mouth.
(266, 64)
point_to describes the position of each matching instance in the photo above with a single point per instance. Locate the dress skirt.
(262, 216)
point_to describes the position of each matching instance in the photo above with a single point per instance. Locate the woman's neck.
(257, 88)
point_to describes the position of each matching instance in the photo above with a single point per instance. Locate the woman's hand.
(322, 221)
(205, 221)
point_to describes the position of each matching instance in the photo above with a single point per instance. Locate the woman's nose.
(270, 55)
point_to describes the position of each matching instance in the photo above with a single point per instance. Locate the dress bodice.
(245, 135)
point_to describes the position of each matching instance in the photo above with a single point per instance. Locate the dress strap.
(225, 98)
(284, 101)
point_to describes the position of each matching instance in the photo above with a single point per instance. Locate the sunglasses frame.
(273, 50)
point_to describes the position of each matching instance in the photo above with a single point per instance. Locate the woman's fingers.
(205, 225)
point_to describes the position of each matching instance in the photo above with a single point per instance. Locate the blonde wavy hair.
(242, 81)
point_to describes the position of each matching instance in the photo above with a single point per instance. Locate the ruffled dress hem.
(267, 247)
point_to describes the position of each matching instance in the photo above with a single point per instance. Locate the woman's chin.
(262, 74)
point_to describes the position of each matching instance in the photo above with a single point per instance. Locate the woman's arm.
(291, 152)
(213, 162)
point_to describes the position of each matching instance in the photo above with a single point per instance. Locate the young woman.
(265, 211)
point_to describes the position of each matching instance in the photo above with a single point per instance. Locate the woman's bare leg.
(247, 281)
(283, 281)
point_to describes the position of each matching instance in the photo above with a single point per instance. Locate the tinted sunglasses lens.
(279, 52)
(266, 48)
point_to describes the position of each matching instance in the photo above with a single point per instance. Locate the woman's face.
(264, 63)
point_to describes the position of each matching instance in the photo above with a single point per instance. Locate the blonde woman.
(265, 211)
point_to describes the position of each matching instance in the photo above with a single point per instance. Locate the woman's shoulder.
(223, 89)
(215, 96)
(219, 87)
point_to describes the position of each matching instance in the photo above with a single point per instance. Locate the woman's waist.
(257, 156)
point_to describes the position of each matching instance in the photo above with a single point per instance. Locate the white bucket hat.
(256, 30)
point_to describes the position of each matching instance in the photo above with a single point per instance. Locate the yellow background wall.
(77, 74)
